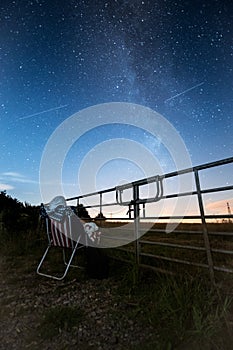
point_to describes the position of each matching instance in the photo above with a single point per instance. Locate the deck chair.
(62, 233)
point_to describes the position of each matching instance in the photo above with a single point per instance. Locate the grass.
(60, 318)
(191, 248)
(180, 309)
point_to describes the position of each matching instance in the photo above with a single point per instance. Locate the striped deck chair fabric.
(64, 231)
(61, 233)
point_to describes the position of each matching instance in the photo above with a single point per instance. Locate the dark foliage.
(82, 212)
(16, 216)
(100, 216)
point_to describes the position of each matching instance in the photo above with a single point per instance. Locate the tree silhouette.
(82, 212)
(100, 216)
(16, 216)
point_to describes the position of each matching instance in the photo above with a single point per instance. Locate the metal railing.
(130, 196)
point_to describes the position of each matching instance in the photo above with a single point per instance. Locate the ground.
(81, 313)
(33, 312)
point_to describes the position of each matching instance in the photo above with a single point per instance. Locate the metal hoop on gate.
(158, 195)
(159, 184)
(119, 193)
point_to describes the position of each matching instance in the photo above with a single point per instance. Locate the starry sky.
(59, 57)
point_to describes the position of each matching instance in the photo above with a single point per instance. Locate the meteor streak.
(184, 92)
(42, 112)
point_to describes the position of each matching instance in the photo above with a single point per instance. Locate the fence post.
(136, 222)
(101, 203)
(204, 228)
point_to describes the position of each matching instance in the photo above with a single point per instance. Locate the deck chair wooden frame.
(60, 235)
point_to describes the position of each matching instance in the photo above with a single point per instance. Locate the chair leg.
(68, 264)
(41, 263)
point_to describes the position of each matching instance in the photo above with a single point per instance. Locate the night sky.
(59, 57)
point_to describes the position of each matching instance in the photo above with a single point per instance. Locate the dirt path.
(28, 306)
(38, 313)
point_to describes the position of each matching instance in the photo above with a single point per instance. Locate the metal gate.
(159, 236)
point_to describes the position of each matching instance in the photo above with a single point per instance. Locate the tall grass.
(181, 309)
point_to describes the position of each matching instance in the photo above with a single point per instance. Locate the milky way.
(81, 53)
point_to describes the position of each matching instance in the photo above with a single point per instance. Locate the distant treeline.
(16, 216)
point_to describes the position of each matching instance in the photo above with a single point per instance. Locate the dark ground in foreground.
(77, 313)
(82, 313)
